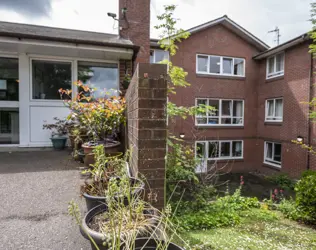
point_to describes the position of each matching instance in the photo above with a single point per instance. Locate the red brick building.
(258, 93)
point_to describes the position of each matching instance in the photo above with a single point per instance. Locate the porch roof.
(37, 32)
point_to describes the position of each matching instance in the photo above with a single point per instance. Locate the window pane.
(279, 62)
(200, 149)
(101, 76)
(202, 63)
(237, 120)
(215, 105)
(279, 108)
(215, 63)
(151, 56)
(213, 120)
(271, 65)
(268, 150)
(238, 67)
(227, 66)
(9, 83)
(277, 152)
(160, 55)
(9, 126)
(225, 149)
(213, 150)
(238, 109)
(270, 107)
(201, 102)
(226, 108)
(237, 148)
(226, 121)
(48, 77)
(201, 120)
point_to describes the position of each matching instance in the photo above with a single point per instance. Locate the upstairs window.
(220, 65)
(275, 66)
(274, 110)
(226, 113)
(273, 153)
(158, 55)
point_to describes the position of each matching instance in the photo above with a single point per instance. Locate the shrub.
(308, 173)
(306, 197)
(282, 180)
(288, 208)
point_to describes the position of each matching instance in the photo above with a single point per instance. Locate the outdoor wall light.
(181, 135)
(299, 138)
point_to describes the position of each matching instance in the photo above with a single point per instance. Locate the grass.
(259, 229)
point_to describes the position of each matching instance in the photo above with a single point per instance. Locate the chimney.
(134, 24)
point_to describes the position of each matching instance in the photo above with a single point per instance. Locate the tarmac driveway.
(35, 188)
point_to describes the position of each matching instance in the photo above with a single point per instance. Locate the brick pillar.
(147, 128)
(135, 26)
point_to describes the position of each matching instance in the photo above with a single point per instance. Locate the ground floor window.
(273, 153)
(103, 77)
(50, 76)
(9, 126)
(219, 150)
(9, 79)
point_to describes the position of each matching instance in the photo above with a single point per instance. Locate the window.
(219, 150)
(158, 55)
(9, 79)
(48, 77)
(226, 113)
(272, 153)
(103, 77)
(219, 65)
(275, 65)
(9, 126)
(274, 110)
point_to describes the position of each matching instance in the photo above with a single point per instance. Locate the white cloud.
(257, 16)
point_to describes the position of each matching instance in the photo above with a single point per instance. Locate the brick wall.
(146, 126)
(136, 26)
(218, 40)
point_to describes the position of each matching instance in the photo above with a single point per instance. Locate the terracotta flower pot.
(109, 148)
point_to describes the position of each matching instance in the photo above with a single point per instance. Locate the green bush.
(288, 208)
(225, 211)
(306, 197)
(308, 173)
(282, 180)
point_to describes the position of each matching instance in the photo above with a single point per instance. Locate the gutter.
(309, 139)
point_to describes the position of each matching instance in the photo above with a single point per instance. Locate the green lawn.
(258, 230)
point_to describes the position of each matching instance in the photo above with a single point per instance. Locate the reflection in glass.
(9, 126)
(48, 77)
(9, 83)
(103, 77)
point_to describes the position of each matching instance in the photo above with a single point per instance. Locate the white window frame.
(48, 59)
(154, 55)
(231, 157)
(207, 116)
(274, 117)
(270, 161)
(275, 73)
(221, 65)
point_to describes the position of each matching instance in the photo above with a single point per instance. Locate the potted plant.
(105, 169)
(101, 117)
(126, 81)
(120, 225)
(59, 132)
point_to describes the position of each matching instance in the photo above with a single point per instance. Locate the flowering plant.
(101, 117)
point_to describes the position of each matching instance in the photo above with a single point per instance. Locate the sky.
(256, 16)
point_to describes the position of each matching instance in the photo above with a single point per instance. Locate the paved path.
(35, 188)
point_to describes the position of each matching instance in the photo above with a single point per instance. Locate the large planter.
(99, 238)
(59, 142)
(93, 201)
(109, 148)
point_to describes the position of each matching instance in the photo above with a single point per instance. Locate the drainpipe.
(310, 108)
